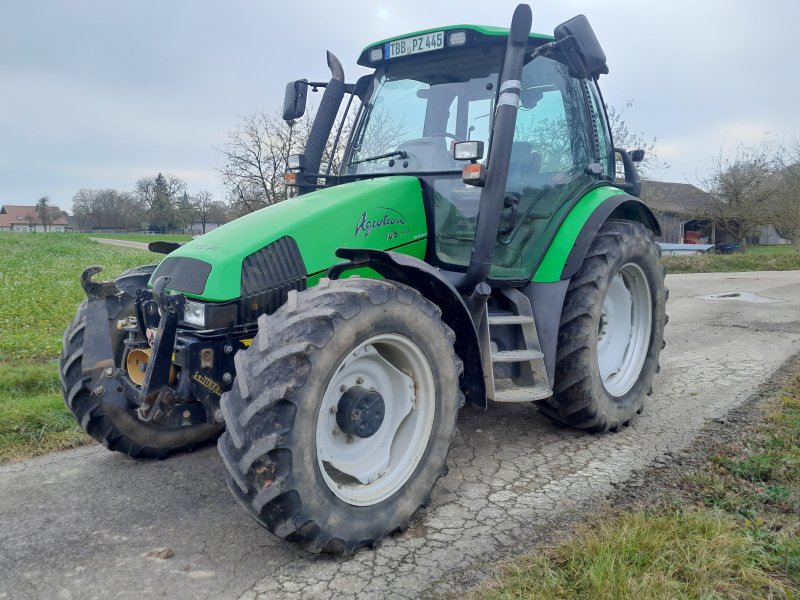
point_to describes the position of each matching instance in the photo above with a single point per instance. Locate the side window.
(551, 139)
(479, 119)
(603, 134)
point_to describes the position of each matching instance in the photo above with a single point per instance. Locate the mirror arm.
(632, 185)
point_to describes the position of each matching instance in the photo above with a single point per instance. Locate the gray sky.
(98, 93)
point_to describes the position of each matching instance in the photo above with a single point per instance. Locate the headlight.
(195, 313)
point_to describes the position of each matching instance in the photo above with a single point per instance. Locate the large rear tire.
(117, 428)
(342, 414)
(611, 331)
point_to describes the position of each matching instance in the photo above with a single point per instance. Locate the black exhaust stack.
(323, 124)
(505, 119)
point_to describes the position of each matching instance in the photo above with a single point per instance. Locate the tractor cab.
(435, 90)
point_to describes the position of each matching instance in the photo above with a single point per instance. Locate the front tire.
(356, 346)
(611, 331)
(118, 428)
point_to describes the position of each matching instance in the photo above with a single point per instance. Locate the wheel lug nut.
(343, 388)
(349, 439)
(359, 380)
(332, 409)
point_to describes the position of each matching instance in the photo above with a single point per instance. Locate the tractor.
(475, 244)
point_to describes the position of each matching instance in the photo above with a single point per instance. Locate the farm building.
(26, 219)
(679, 208)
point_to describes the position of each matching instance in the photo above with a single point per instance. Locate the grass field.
(757, 258)
(40, 282)
(730, 531)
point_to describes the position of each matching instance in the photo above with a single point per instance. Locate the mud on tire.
(270, 444)
(580, 397)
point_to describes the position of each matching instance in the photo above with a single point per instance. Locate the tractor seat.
(524, 165)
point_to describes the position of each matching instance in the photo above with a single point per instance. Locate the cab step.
(522, 394)
(516, 355)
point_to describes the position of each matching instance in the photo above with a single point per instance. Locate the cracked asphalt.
(77, 524)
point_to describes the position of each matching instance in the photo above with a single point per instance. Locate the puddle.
(740, 297)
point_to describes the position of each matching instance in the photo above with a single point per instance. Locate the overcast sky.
(98, 93)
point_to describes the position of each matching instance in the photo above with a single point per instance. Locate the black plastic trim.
(186, 274)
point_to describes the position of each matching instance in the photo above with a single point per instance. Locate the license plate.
(414, 45)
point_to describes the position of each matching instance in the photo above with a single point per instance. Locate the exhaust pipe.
(505, 119)
(323, 124)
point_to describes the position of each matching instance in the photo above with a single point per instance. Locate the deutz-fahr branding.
(390, 217)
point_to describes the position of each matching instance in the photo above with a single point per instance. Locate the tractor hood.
(384, 213)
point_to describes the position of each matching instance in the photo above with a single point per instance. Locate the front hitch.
(155, 391)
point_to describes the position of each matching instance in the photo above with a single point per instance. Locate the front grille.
(268, 275)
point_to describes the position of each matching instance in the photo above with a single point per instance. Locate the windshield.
(420, 105)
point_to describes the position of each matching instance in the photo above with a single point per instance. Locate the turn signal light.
(290, 178)
(474, 174)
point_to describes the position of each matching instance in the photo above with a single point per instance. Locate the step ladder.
(532, 382)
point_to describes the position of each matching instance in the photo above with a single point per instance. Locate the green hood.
(382, 213)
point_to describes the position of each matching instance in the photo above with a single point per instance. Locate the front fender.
(429, 282)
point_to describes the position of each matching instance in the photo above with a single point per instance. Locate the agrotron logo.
(390, 217)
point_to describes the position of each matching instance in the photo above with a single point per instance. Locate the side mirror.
(582, 52)
(637, 155)
(294, 102)
(362, 86)
(472, 150)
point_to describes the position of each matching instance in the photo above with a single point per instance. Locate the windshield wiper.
(400, 153)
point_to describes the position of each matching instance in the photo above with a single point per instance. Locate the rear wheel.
(611, 331)
(117, 428)
(342, 414)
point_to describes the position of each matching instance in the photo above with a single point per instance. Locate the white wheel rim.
(366, 471)
(624, 332)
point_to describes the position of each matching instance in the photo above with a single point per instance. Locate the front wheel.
(611, 331)
(342, 414)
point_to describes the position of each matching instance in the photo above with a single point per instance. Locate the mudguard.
(418, 274)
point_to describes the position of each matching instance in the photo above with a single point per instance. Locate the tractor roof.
(478, 31)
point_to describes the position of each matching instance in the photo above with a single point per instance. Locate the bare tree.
(255, 158)
(256, 153)
(628, 140)
(44, 212)
(788, 210)
(745, 191)
(207, 210)
(107, 209)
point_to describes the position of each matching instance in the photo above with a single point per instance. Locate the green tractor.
(475, 245)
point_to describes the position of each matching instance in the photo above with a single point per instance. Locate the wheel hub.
(360, 412)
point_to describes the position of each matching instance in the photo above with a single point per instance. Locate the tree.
(44, 212)
(108, 209)
(788, 210)
(745, 191)
(206, 210)
(160, 194)
(256, 153)
(627, 140)
(255, 159)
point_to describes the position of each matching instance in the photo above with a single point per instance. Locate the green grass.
(33, 418)
(141, 237)
(731, 531)
(40, 279)
(757, 258)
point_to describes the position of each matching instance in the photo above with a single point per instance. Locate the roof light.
(457, 38)
(376, 54)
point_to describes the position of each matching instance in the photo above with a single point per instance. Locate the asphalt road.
(78, 524)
